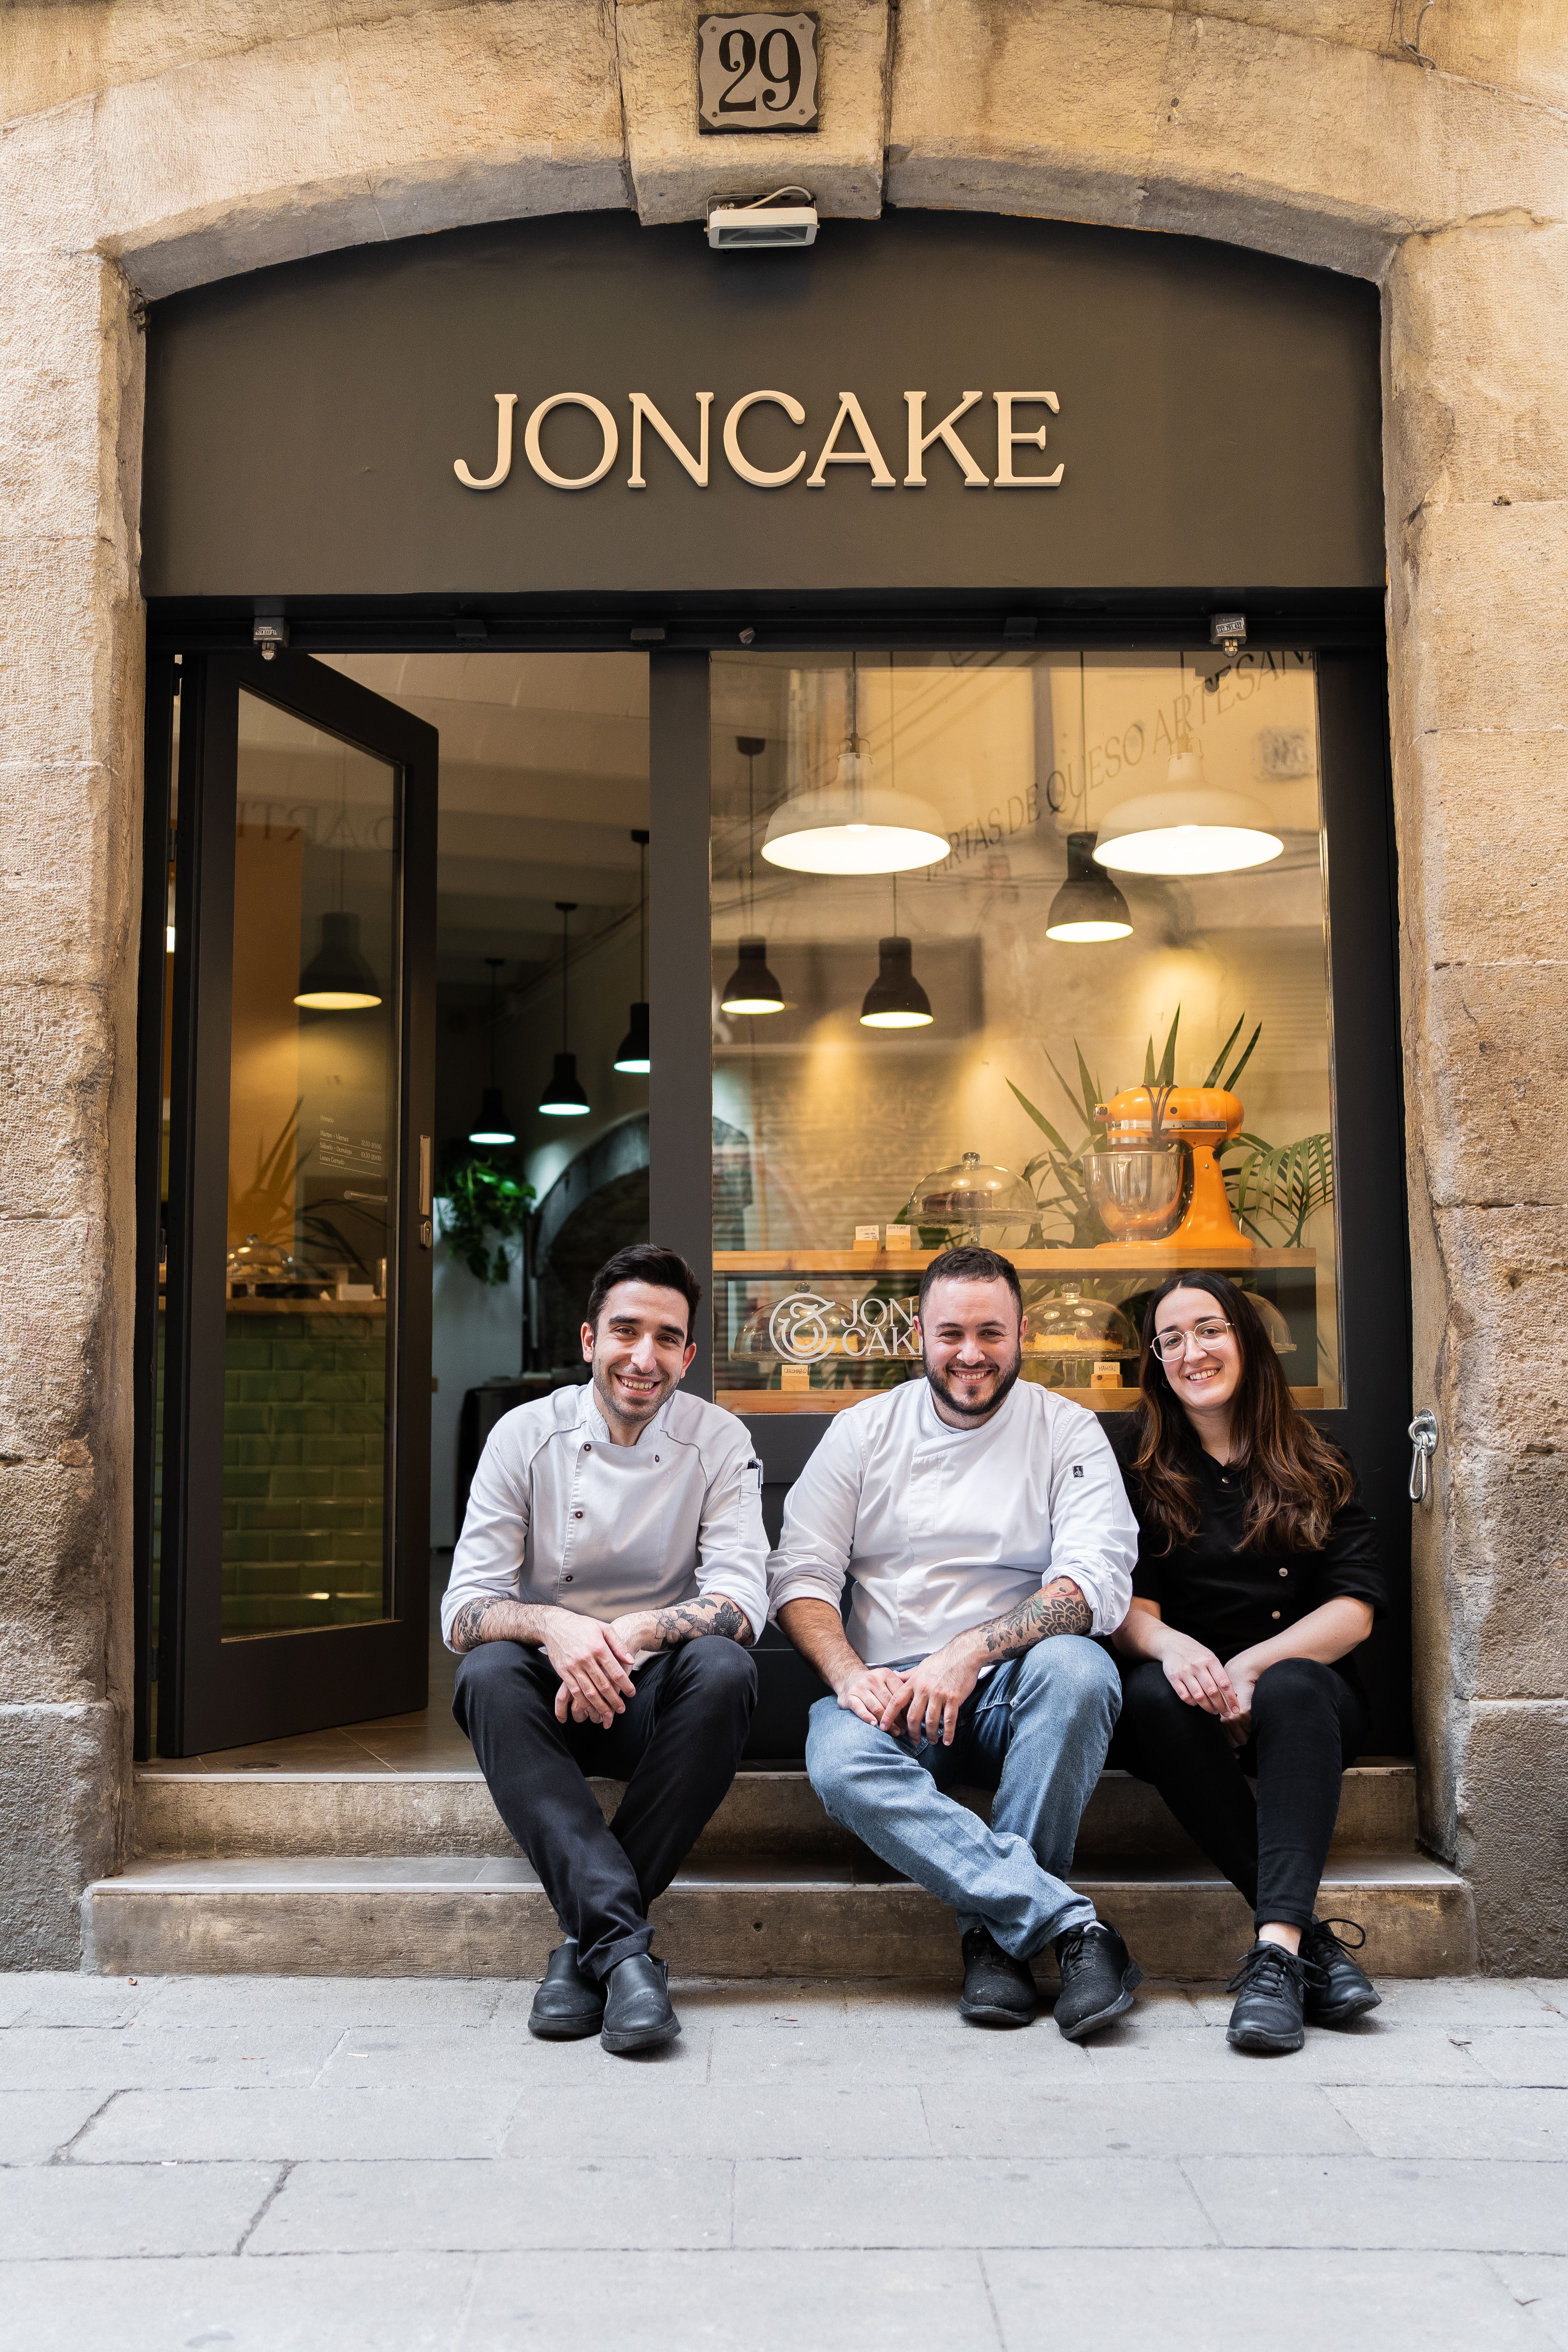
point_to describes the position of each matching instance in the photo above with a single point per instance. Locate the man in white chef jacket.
(984, 1528)
(609, 1581)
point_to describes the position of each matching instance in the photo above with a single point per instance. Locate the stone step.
(468, 1915)
(767, 1817)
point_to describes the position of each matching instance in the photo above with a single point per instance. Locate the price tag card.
(757, 72)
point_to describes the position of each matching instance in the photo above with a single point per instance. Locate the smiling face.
(639, 1351)
(1207, 1373)
(971, 1338)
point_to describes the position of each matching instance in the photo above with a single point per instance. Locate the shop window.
(1025, 949)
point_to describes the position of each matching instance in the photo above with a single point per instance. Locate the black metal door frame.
(213, 1693)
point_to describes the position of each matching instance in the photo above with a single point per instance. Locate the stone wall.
(150, 146)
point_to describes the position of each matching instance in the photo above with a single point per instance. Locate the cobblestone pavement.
(316, 2162)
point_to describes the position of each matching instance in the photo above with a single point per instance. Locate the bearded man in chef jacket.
(985, 1535)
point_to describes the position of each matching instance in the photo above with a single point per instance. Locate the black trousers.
(1308, 1724)
(676, 1746)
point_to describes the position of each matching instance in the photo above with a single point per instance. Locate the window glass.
(906, 1058)
(312, 1180)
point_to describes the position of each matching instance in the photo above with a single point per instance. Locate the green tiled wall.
(304, 1452)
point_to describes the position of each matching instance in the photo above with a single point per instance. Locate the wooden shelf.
(1114, 1258)
(781, 1400)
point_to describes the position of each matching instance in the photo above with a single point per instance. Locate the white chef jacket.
(560, 1518)
(942, 1529)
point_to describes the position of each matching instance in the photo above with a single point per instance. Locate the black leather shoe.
(1271, 1985)
(569, 2005)
(638, 2015)
(997, 1989)
(1337, 1989)
(1099, 1977)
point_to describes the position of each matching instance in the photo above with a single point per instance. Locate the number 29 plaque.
(757, 72)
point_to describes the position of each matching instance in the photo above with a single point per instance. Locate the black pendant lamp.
(895, 999)
(492, 1124)
(750, 987)
(338, 977)
(564, 1097)
(1089, 906)
(632, 1055)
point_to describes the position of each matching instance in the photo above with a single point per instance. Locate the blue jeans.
(1036, 1731)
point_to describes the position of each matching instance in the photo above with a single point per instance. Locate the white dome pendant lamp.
(1188, 828)
(852, 825)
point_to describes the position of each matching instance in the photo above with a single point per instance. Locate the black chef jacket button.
(567, 1579)
(576, 1515)
(587, 1449)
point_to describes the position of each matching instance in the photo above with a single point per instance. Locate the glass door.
(293, 1552)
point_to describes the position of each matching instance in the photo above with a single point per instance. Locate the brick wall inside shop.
(304, 1450)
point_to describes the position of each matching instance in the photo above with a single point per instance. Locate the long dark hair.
(1296, 1479)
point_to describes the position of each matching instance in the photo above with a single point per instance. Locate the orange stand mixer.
(1152, 1119)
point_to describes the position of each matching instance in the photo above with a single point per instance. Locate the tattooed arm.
(928, 1707)
(666, 1629)
(593, 1661)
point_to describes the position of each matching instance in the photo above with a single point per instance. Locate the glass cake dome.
(977, 1202)
(1068, 1324)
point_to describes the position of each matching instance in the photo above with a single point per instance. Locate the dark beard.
(976, 1413)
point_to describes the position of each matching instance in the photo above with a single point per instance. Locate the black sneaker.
(997, 1989)
(1271, 1985)
(569, 2005)
(1337, 1990)
(1099, 1977)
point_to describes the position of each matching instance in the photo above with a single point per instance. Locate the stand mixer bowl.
(1139, 1194)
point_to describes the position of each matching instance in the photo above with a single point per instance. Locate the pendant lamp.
(564, 1097)
(895, 999)
(1089, 906)
(1187, 828)
(338, 977)
(852, 825)
(632, 1053)
(750, 988)
(492, 1126)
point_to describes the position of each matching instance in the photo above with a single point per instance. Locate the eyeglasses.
(1169, 1345)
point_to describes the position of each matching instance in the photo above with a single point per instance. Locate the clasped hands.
(1195, 1675)
(594, 1659)
(922, 1703)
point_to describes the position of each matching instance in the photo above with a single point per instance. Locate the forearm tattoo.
(1060, 1609)
(467, 1626)
(688, 1619)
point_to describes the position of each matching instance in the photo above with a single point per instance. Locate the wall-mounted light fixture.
(735, 226)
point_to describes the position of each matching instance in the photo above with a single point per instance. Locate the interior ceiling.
(525, 739)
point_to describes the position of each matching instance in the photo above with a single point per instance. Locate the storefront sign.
(864, 450)
(581, 407)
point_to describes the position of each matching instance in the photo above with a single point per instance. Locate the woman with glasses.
(1258, 1576)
